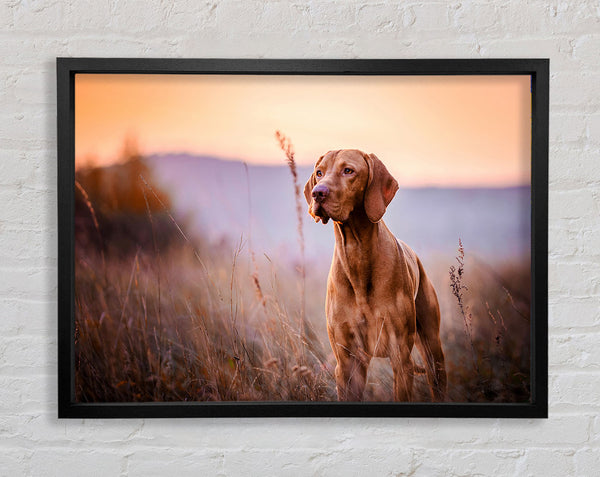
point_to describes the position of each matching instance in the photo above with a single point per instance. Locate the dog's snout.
(320, 192)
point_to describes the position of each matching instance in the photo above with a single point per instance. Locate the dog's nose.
(320, 192)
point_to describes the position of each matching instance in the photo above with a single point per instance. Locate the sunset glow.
(428, 130)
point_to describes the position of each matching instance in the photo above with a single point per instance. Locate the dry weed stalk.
(513, 304)
(183, 235)
(255, 278)
(88, 204)
(499, 326)
(156, 250)
(456, 275)
(287, 147)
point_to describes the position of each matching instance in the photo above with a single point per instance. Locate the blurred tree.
(120, 188)
(129, 209)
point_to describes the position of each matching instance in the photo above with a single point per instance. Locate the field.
(162, 315)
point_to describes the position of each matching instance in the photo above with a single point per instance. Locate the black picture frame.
(67, 68)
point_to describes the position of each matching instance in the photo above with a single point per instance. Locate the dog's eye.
(318, 173)
(348, 171)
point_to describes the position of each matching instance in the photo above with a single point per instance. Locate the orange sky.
(428, 130)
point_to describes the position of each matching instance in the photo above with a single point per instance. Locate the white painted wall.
(33, 33)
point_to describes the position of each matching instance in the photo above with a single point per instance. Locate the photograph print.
(302, 238)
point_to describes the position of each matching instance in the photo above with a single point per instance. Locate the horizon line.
(229, 159)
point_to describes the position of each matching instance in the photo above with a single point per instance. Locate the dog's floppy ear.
(381, 188)
(308, 187)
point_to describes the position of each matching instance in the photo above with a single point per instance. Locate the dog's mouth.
(319, 213)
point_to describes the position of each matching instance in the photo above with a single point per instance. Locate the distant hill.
(221, 200)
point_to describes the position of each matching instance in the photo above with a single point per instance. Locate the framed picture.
(302, 237)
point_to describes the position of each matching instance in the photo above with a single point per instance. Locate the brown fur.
(379, 300)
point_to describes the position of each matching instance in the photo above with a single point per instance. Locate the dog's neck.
(355, 241)
(356, 232)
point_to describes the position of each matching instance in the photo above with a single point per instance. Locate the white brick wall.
(33, 33)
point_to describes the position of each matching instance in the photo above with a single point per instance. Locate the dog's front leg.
(402, 365)
(350, 377)
(352, 360)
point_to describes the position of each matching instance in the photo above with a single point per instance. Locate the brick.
(104, 432)
(575, 388)
(28, 247)
(29, 317)
(333, 16)
(576, 17)
(136, 16)
(440, 47)
(26, 429)
(18, 127)
(15, 461)
(573, 204)
(514, 45)
(379, 18)
(595, 430)
(575, 351)
(566, 240)
(558, 430)
(573, 279)
(276, 13)
(21, 395)
(547, 462)
(26, 207)
(26, 168)
(43, 15)
(293, 462)
(65, 461)
(581, 88)
(591, 241)
(593, 128)
(123, 47)
(30, 283)
(88, 15)
(6, 15)
(431, 16)
(23, 354)
(585, 50)
(516, 19)
(264, 17)
(23, 51)
(587, 461)
(299, 435)
(567, 127)
(473, 16)
(551, 18)
(162, 461)
(466, 433)
(574, 166)
(574, 312)
(178, 16)
(349, 462)
(35, 87)
(444, 462)
(323, 461)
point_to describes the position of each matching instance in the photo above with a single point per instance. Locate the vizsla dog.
(379, 300)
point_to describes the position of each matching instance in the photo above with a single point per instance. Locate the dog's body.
(379, 299)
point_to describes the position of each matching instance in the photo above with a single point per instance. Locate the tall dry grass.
(174, 318)
(490, 360)
(288, 149)
(202, 337)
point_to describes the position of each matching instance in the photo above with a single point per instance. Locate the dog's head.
(346, 180)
